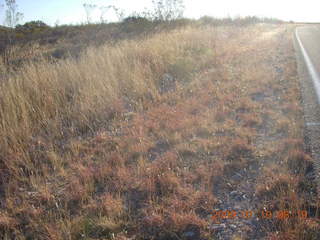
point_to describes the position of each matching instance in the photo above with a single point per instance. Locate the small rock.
(233, 193)
(229, 184)
(233, 226)
(218, 226)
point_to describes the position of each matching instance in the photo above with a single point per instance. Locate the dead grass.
(130, 140)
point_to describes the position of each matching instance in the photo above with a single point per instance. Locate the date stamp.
(264, 214)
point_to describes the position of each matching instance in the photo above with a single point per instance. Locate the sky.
(72, 12)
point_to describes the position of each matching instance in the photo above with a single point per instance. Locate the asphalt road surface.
(307, 44)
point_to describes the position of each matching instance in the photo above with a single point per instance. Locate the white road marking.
(312, 71)
(316, 83)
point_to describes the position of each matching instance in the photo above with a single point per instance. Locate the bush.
(31, 28)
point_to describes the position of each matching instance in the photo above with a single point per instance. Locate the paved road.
(307, 43)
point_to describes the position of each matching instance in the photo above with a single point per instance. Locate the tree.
(89, 8)
(103, 11)
(30, 28)
(119, 13)
(166, 10)
(12, 17)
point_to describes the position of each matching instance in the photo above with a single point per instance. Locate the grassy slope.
(61, 42)
(130, 139)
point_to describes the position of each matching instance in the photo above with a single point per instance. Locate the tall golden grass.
(41, 97)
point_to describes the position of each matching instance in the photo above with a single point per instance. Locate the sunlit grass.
(138, 133)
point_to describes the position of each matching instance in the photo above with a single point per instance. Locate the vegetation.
(166, 10)
(36, 39)
(12, 16)
(140, 131)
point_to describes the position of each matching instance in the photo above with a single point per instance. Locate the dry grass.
(130, 140)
